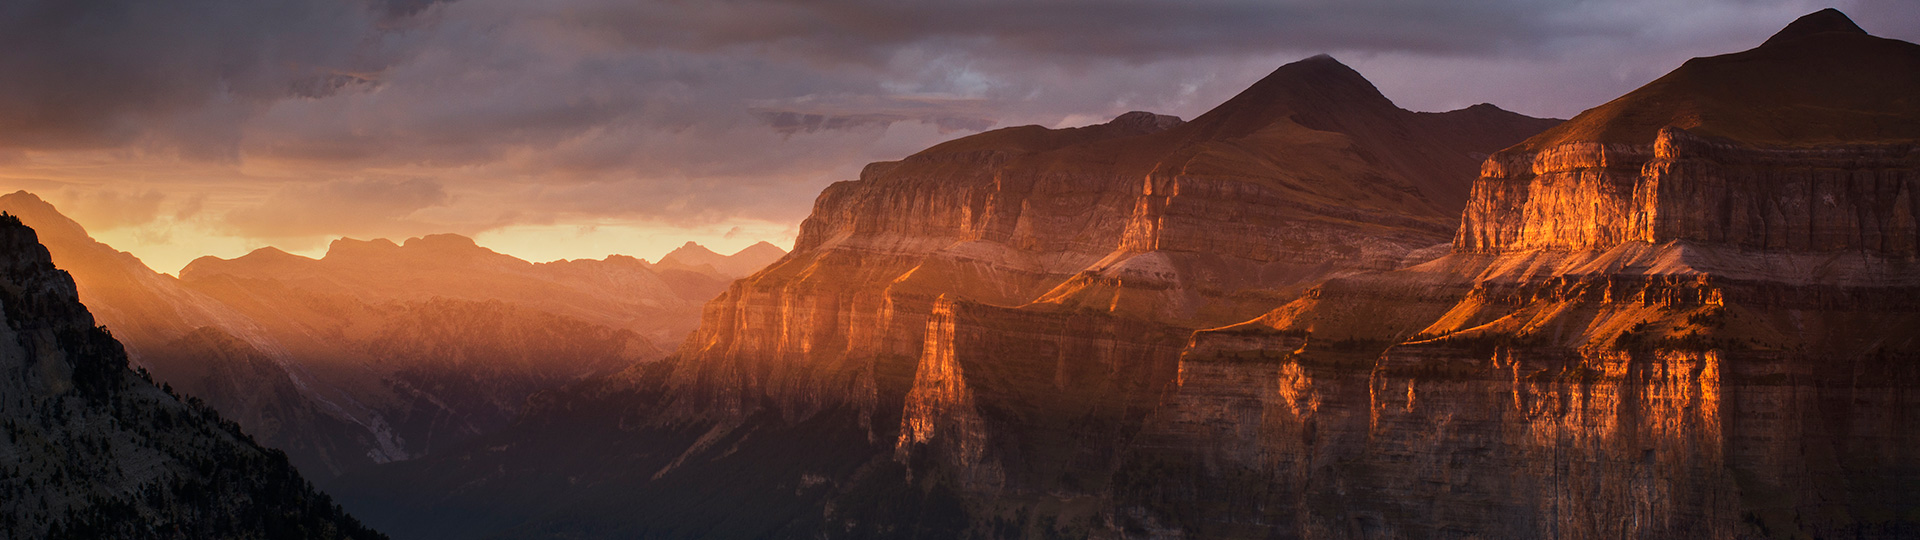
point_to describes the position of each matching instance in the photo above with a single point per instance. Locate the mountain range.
(380, 351)
(1306, 313)
(1690, 312)
(94, 450)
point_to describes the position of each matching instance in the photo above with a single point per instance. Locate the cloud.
(340, 207)
(481, 114)
(107, 209)
(811, 113)
(108, 73)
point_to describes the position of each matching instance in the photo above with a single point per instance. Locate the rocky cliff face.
(1309, 173)
(1706, 333)
(94, 450)
(1805, 143)
(1591, 196)
(1517, 444)
(1594, 406)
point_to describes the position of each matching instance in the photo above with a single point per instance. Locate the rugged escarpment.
(1806, 143)
(1591, 196)
(95, 450)
(1309, 173)
(991, 318)
(1441, 399)
(1687, 313)
(1699, 327)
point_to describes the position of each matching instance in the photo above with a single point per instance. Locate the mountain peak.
(1819, 81)
(1144, 122)
(1318, 87)
(42, 216)
(692, 248)
(22, 196)
(1818, 22)
(761, 248)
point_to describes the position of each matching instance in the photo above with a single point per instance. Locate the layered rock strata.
(1585, 196)
(1705, 333)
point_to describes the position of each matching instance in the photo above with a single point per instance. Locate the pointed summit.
(42, 217)
(1318, 92)
(1818, 22)
(693, 250)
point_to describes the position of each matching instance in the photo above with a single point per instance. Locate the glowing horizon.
(532, 243)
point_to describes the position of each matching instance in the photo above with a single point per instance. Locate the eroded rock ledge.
(1591, 196)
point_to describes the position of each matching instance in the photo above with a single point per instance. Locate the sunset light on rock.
(609, 269)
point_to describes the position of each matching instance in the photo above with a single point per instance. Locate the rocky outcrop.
(95, 450)
(1020, 401)
(1521, 443)
(1806, 143)
(1589, 196)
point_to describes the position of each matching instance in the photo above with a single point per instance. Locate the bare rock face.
(1708, 332)
(1020, 401)
(1589, 196)
(1309, 173)
(998, 305)
(1806, 143)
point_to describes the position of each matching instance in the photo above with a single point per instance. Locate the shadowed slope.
(1821, 80)
(93, 450)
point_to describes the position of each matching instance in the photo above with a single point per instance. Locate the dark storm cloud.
(698, 111)
(102, 73)
(808, 114)
(855, 30)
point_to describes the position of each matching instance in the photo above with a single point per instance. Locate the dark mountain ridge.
(94, 450)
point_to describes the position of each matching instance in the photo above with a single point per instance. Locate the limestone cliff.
(1309, 173)
(1703, 329)
(1807, 143)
